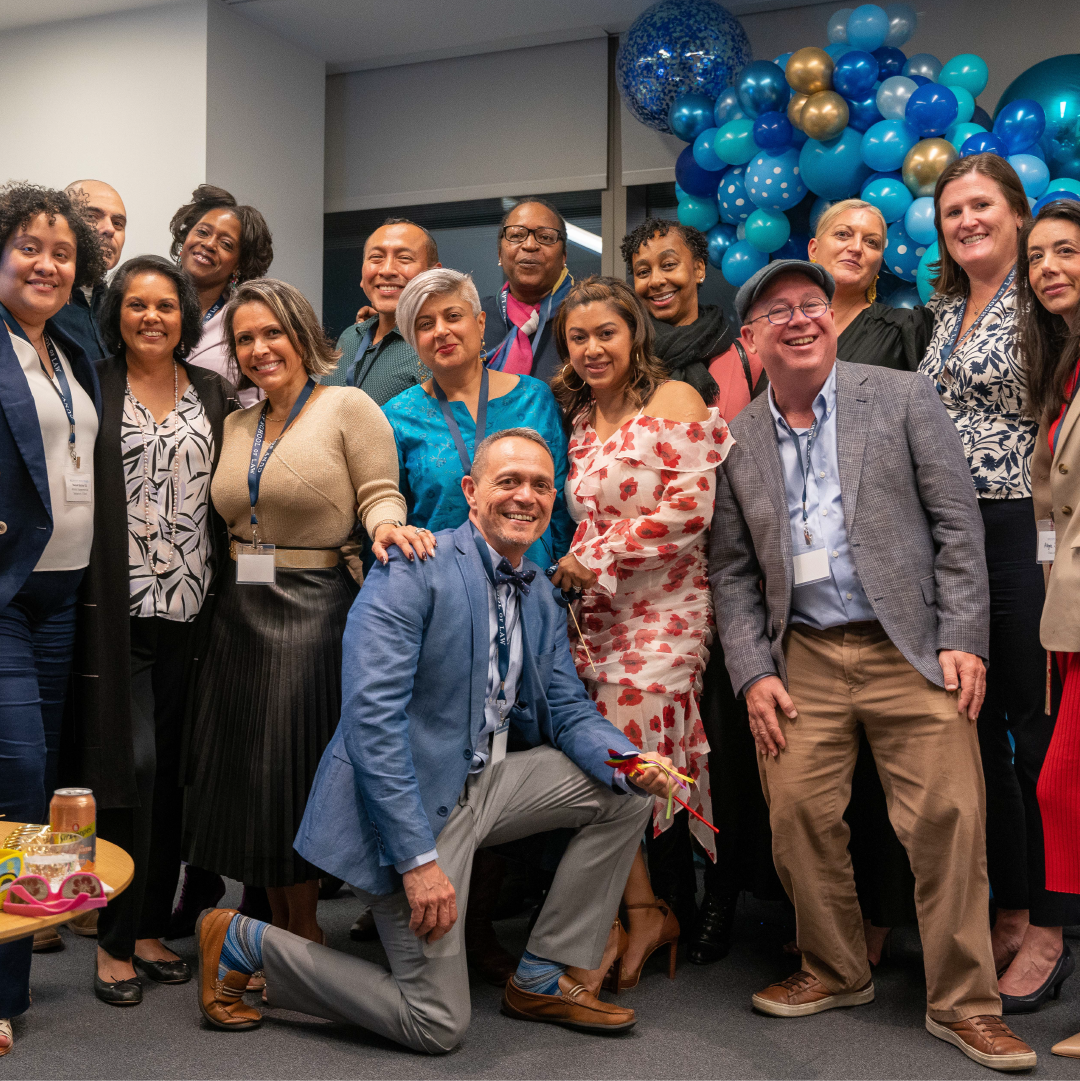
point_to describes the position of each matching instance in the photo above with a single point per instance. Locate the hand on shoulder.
(678, 401)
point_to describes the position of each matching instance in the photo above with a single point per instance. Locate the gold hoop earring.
(871, 292)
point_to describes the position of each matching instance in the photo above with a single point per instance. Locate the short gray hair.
(437, 282)
(479, 462)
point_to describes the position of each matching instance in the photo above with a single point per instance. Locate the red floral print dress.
(643, 501)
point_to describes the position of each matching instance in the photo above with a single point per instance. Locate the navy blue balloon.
(797, 246)
(984, 142)
(1054, 197)
(919, 80)
(892, 174)
(981, 116)
(931, 109)
(690, 115)
(692, 178)
(855, 74)
(773, 131)
(762, 88)
(890, 60)
(1020, 123)
(720, 238)
(864, 114)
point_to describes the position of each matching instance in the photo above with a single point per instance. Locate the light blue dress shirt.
(840, 598)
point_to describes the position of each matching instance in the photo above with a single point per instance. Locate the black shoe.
(711, 939)
(1051, 989)
(202, 889)
(120, 993)
(164, 971)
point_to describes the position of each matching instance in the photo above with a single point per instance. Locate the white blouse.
(212, 353)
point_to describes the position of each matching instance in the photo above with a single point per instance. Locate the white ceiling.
(351, 35)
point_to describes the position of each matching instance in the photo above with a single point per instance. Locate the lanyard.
(255, 470)
(502, 638)
(215, 308)
(63, 389)
(811, 435)
(354, 378)
(952, 343)
(452, 424)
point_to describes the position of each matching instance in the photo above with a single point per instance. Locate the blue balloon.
(893, 96)
(855, 74)
(902, 23)
(837, 26)
(773, 181)
(919, 80)
(837, 50)
(742, 261)
(958, 134)
(1020, 123)
(767, 230)
(905, 297)
(674, 47)
(818, 208)
(925, 64)
(886, 144)
(700, 214)
(1037, 150)
(966, 70)
(679, 193)
(781, 60)
(984, 142)
(982, 118)
(919, 220)
(762, 88)
(690, 115)
(863, 115)
(798, 137)
(704, 154)
(924, 275)
(867, 27)
(889, 174)
(692, 178)
(834, 169)
(728, 108)
(1032, 171)
(797, 246)
(1055, 85)
(734, 142)
(902, 254)
(773, 131)
(931, 109)
(965, 104)
(720, 238)
(890, 61)
(1054, 197)
(889, 195)
(735, 204)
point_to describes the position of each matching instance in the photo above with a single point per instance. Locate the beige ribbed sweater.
(337, 459)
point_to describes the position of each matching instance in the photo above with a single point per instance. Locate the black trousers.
(151, 831)
(1015, 706)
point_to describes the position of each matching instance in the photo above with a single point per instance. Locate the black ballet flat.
(1051, 989)
(164, 971)
(120, 993)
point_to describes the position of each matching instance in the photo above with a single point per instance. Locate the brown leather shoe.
(987, 1040)
(221, 1001)
(48, 938)
(85, 924)
(803, 993)
(573, 1006)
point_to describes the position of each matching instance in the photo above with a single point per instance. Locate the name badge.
(78, 487)
(255, 565)
(811, 567)
(1046, 547)
(498, 743)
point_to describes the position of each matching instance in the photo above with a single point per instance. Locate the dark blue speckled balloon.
(675, 47)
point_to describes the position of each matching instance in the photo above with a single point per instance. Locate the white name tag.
(1047, 544)
(78, 487)
(811, 567)
(498, 743)
(255, 565)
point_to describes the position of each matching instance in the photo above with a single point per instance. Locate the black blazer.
(546, 359)
(99, 752)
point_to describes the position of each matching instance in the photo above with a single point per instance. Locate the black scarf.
(686, 351)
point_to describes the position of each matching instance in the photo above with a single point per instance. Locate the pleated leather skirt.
(266, 702)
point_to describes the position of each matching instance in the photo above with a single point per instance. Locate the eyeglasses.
(517, 234)
(782, 314)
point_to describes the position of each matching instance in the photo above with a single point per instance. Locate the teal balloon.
(924, 274)
(704, 154)
(734, 142)
(919, 220)
(1033, 173)
(834, 169)
(741, 262)
(1055, 85)
(867, 27)
(720, 238)
(698, 213)
(965, 104)
(902, 253)
(959, 134)
(1063, 183)
(690, 115)
(735, 204)
(886, 143)
(966, 70)
(767, 230)
(890, 195)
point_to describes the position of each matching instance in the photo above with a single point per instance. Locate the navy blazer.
(26, 521)
(414, 679)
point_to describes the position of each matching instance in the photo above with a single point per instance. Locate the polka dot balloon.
(735, 205)
(773, 181)
(902, 254)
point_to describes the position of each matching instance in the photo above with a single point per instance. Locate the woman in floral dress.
(641, 483)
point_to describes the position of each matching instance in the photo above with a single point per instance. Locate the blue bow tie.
(505, 575)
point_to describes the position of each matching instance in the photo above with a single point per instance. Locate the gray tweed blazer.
(911, 515)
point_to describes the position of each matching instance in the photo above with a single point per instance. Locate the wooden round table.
(114, 868)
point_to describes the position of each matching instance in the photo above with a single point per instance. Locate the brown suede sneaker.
(987, 1040)
(221, 1001)
(803, 993)
(573, 1006)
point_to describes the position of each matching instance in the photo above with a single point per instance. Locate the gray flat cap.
(752, 289)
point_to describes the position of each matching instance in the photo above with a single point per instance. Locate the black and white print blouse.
(178, 592)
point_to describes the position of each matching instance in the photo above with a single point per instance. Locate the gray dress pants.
(423, 1001)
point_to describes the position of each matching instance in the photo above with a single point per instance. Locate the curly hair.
(693, 239)
(21, 202)
(190, 318)
(647, 372)
(256, 241)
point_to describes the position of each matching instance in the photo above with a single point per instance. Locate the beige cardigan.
(337, 460)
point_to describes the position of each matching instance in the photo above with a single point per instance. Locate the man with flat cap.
(850, 586)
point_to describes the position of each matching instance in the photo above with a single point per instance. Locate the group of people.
(282, 606)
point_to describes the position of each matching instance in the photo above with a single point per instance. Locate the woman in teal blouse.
(439, 315)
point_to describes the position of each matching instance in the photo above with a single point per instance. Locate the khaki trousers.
(927, 756)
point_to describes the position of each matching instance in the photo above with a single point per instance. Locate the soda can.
(74, 810)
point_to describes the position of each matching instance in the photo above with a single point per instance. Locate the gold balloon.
(809, 70)
(925, 162)
(824, 115)
(794, 109)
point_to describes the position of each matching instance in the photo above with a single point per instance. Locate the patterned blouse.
(981, 385)
(178, 593)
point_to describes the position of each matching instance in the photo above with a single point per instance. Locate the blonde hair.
(830, 215)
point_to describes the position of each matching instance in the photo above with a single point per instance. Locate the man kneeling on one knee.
(850, 585)
(463, 725)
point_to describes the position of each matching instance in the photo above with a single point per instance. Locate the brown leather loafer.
(573, 1006)
(987, 1040)
(221, 1001)
(803, 993)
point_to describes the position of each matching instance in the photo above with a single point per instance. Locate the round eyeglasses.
(547, 238)
(782, 314)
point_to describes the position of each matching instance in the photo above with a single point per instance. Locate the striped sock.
(242, 949)
(538, 976)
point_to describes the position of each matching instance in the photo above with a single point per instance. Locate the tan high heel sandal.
(619, 980)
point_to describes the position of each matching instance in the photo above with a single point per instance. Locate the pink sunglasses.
(31, 895)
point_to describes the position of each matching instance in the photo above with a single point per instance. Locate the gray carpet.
(699, 1026)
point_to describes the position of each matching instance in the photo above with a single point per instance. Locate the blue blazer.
(414, 679)
(25, 507)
